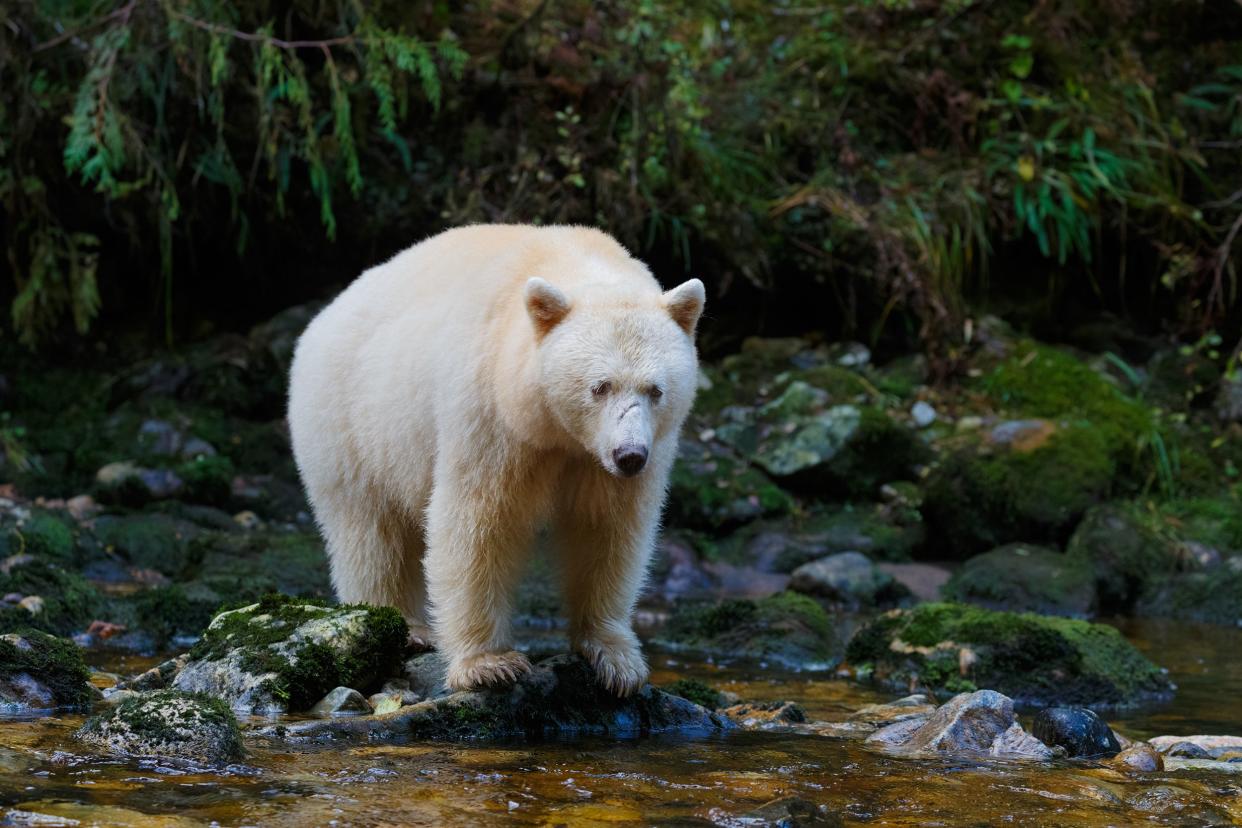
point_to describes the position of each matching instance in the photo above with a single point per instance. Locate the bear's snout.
(630, 459)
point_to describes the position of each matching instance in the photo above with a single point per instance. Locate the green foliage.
(893, 150)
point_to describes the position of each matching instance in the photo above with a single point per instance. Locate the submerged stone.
(342, 701)
(1076, 729)
(167, 724)
(1034, 659)
(559, 697)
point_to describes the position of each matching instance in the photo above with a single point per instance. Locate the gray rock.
(982, 722)
(249, 656)
(126, 478)
(1139, 757)
(914, 707)
(849, 577)
(160, 437)
(342, 701)
(789, 812)
(923, 414)
(559, 697)
(1213, 746)
(167, 724)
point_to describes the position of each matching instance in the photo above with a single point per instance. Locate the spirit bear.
(485, 383)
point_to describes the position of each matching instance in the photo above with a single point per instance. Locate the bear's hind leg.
(376, 553)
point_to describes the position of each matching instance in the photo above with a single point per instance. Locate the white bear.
(485, 383)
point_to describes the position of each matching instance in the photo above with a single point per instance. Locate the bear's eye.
(601, 389)
(655, 392)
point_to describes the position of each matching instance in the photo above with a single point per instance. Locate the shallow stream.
(46, 779)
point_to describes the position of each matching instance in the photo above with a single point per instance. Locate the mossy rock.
(283, 654)
(1025, 578)
(1036, 660)
(558, 698)
(45, 535)
(711, 488)
(208, 479)
(241, 567)
(1212, 597)
(787, 628)
(41, 671)
(167, 612)
(149, 540)
(808, 443)
(699, 692)
(1126, 555)
(168, 724)
(980, 497)
(69, 601)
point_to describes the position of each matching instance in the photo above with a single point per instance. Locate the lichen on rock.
(168, 724)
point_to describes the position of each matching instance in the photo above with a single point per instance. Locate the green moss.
(696, 691)
(53, 662)
(1026, 578)
(208, 479)
(710, 488)
(240, 567)
(69, 601)
(882, 451)
(789, 628)
(43, 535)
(168, 717)
(304, 675)
(165, 612)
(977, 498)
(1033, 658)
(149, 540)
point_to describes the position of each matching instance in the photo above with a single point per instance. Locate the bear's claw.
(620, 669)
(487, 670)
(419, 639)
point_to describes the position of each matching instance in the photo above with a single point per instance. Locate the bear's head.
(618, 370)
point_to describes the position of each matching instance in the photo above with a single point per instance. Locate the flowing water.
(46, 780)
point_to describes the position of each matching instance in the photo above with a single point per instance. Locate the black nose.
(630, 459)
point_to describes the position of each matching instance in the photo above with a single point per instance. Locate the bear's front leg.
(606, 543)
(476, 548)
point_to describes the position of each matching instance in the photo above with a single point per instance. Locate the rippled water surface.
(660, 781)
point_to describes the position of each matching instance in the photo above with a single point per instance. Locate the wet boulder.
(786, 628)
(167, 724)
(40, 672)
(284, 654)
(849, 579)
(67, 601)
(559, 697)
(148, 540)
(1026, 578)
(979, 723)
(1034, 659)
(1076, 729)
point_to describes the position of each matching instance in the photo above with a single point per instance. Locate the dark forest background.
(881, 170)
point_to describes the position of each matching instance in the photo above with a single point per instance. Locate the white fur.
(473, 389)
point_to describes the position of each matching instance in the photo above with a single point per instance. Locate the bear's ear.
(546, 304)
(685, 304)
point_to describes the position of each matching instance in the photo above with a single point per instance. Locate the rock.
(1126, 556)
(910, 708)
(789, 812)
(130, 484)
(1213, 597)
(923, 414)
(158, 677)
(167, 724)
(801, 438)
(1229, 398)
(160, 438)
(559, 697)
(343, 701)
(381, 703)
(82, 507)
(1139, 757)
(41, 672)
(32, 604)
(1212, 746)
(1079, 731)
(711, 487)
(1038, 660)
(765, 715)
(1026, 578)
(849, 578)
(971, 723)
(925, 581)
(786, 628)
(149, 540)
(248, 520)
(696, 691)
(283, 654)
